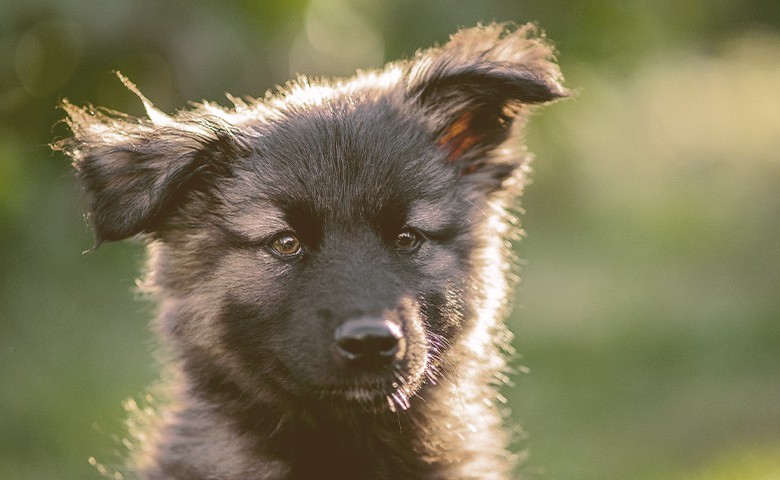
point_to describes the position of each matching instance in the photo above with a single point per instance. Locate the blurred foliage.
(647, 314)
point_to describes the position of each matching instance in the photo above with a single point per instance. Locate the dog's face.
(351, 247)
(323, 243)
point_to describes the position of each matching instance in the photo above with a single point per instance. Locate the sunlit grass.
(647, 312)
(748, 464)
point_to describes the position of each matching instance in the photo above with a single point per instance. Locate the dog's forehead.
(346, 156)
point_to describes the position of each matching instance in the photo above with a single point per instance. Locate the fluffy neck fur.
(449, 432)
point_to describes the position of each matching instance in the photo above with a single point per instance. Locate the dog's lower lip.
(345, 389)
(358, 391)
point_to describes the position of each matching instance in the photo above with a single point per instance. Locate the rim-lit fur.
(427, 145)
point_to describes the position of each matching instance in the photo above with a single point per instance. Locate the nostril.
(352, 347)
(368, 340)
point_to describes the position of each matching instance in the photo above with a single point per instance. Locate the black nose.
(369, 341)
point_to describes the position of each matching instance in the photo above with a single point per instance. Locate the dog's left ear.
(475, 87)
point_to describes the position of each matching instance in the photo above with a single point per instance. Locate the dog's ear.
(135, 170)
(474, 88)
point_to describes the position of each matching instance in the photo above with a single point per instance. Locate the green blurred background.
(647, 318)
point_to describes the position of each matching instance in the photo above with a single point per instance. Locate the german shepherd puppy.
(330, 263)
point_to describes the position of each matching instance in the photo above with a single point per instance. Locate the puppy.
(330, 263)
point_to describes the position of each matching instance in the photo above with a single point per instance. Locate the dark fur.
(425, 145)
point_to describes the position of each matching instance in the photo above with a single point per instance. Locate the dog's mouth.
(391, 392)
(370, 398)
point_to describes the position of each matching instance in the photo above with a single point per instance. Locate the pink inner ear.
(458, 137)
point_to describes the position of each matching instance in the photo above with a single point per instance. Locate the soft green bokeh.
(647, 316)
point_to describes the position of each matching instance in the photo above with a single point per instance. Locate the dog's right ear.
(134, 171)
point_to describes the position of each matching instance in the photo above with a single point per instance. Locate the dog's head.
(337, 239)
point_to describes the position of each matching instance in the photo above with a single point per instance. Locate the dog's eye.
(286, 244)
(408, 240)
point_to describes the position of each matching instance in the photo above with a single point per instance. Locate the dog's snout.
(369, 342)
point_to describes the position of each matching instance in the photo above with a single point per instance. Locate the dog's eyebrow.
(432, 216)
(253, 223)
